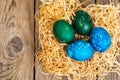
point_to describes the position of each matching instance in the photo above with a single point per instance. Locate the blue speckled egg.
(100, 39)
(80, 50)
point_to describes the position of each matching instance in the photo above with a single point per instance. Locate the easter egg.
(63, 31)
(80, 50)
(100, 39)
(82, 22)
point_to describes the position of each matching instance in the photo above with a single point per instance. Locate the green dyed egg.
(82, 22)
(63, 31)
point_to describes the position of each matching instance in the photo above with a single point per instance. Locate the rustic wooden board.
(103, 2)
(39, 75)
(16, 39)
(110, 76)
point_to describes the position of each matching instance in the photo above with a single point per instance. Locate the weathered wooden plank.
(16, 39)
(103, 2)
(110, 76)
(39, 75)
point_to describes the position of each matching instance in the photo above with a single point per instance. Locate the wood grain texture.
(104, 2)
(16, 39)
(39, 75)
(112, 75)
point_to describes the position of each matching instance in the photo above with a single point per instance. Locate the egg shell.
(63, 31)
(100, 39)
(82, 22)
(80, 50)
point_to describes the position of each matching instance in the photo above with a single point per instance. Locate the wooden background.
(18, 43)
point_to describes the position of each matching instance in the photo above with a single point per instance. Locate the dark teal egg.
(63, 31)
(80, 50)
(82, 22)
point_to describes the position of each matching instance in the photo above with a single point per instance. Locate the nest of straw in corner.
(52, 56)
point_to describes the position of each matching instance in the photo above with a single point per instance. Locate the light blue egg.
(80, 50)
(100, 39)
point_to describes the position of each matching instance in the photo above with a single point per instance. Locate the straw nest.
(52, 55)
